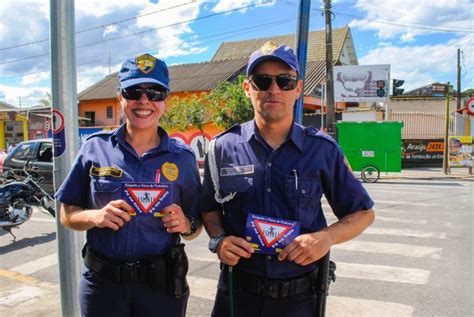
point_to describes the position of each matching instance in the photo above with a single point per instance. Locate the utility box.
(372, 147)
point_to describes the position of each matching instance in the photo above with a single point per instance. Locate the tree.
(229, 104)
(186, 112)
(46, 101)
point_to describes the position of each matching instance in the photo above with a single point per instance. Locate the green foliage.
(224, 106)
(185, 113)
(229, 104)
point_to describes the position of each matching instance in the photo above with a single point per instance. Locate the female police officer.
(134, 265)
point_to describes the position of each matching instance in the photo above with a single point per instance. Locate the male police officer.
(271, 173)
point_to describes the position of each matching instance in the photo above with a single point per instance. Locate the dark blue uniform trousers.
(101, 297)
(250, 305)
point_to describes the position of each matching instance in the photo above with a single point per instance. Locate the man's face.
(273, 105)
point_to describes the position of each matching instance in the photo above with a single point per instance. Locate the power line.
(218, 36)
(440, 29)
(145, 31)
(101, 26)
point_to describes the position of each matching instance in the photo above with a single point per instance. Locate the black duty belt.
(142, 271)
(275, 288)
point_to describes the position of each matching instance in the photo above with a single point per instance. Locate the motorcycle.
(18, 193)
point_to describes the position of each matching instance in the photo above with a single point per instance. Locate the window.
(45, 153)
(90, 118)
(23, 151)
(110, 112)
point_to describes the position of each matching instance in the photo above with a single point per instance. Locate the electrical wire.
(101, 26)
(144, 31)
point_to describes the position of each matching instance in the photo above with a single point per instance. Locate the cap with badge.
(144, 69)
(270, 51)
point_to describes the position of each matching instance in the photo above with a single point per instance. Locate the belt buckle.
(131, 269)
(269, 288)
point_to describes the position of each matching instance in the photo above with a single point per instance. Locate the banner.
(460, 151)
(421, 152)
(361, 83)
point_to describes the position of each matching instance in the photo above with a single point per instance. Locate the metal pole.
(458, 104)
(301, 51)
(446, 132)
(66, 141)
(330, 117)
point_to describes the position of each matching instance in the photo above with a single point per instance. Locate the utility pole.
(301, 51)
(330, 116)
(458, 105)
(66, 143)
(446, 132)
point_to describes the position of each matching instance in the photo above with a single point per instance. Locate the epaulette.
(182, 146)
(312, 131)
(100, 133)
(232, 128)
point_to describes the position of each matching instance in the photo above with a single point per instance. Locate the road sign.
(199, 143)
(470, 106)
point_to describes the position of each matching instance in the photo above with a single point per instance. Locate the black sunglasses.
(262, 82)
(156, 93)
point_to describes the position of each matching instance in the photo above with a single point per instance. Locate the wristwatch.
(214, 242)
(194, 224)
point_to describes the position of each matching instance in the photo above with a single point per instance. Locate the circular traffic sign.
(199, 143)
(470, 106)
(58, 121)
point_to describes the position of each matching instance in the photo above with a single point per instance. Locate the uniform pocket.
(105, 190)
(304, 195)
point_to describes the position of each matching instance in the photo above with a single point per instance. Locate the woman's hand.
(175, 220)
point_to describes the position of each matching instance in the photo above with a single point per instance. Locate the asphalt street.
(416, 259)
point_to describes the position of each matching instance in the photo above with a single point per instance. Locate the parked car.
(40, 154)
(3, 155)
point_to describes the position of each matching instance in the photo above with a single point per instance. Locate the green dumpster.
(372, 147)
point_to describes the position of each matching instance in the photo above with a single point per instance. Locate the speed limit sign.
(470, 106)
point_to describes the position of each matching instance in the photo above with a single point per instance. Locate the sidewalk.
(428, 173)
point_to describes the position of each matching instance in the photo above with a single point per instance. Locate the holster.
(177, 266)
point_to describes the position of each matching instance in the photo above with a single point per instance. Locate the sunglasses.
(156, 93)
(262, 82)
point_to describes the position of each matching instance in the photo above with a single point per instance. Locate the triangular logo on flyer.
(271, 232)
(146, 198)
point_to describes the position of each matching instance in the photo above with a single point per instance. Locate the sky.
(419, 38)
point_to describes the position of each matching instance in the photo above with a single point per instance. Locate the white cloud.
(17, 96)
(225, 5)
(111, 29)
(35, 78)
(423, 64)
(410, 18)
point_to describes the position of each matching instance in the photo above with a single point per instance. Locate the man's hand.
(307, 248)
(175, 221)
(113, 215)
(231, 249)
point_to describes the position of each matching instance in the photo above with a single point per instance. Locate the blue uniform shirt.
(142, 236)
(287, 182)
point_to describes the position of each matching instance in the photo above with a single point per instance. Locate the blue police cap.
(269, 51)
(144, 69)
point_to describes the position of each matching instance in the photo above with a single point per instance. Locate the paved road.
(416, 260)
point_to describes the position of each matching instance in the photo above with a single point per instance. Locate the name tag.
(147, 199)
(270, 235)
(106, 171)
(237, 170)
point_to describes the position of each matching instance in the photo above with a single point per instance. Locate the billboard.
(361, 83)
(460, 151)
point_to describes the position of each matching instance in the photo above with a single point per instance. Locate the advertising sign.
(357, 83)
(422, 152)
(460, 151)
